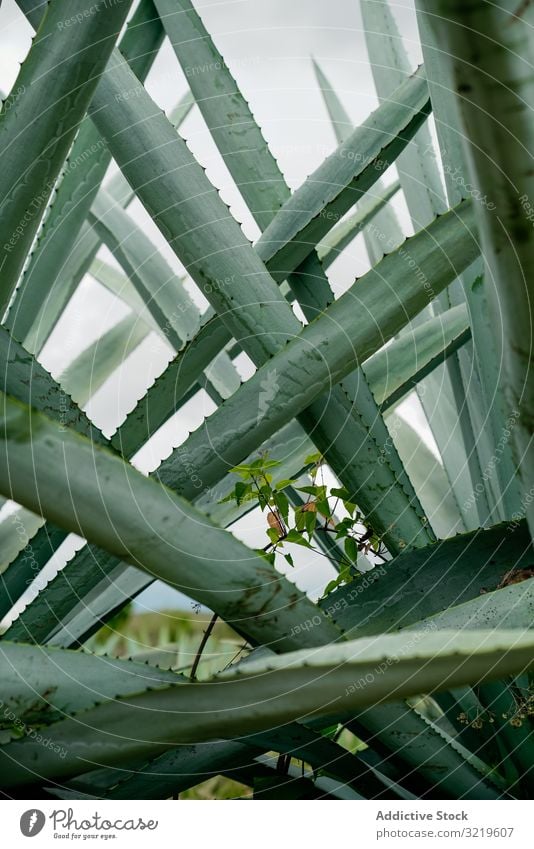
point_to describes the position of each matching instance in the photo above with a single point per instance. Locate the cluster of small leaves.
(300, 523)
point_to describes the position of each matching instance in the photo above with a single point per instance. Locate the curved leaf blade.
(34, 137)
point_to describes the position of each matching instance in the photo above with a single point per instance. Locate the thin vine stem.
(202, 646)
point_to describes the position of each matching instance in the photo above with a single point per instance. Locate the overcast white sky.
(268, 44)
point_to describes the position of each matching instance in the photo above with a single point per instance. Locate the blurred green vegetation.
(169, 639)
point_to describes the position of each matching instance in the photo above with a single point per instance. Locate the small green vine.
(298, 525)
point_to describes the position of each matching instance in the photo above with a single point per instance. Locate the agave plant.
(409, 676)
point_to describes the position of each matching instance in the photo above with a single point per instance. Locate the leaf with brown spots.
(274, 522)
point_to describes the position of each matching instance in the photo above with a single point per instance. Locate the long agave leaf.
(16, 529)
(46, 684)
(223, 376)
(230, 759)
(499, 160)
(418, 174)
(25, 379)
(163, 776)
(80, 257)
(34, 10)
(57, 616)
(255, 696)
(180, 768)
(62, 477)
(61, 614)
(42, 618)
(263, 776)
(118, 187)
(227, 115)
(428, 477)
(485, 404)
(78, 262)
(256, 173)
(394, 370)
(173, 386)
(86, 166)
(423, 190)
(425, 582)
(385, 222)
(162, 291)
(291, 368)
(516, 741)
(33, 556)
(384, 234)
(116, 281)
(79, 599)
(34, 139)
(461, 703)
(186, 766)
(384, 490)
(331, 245)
